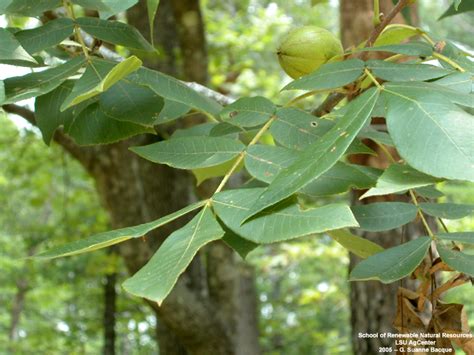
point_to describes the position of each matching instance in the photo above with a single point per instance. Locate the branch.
(80, 153)
(329, 103)
(21, 111)
(114, 56)
(401, 4)
(334, 98)
(204, 90)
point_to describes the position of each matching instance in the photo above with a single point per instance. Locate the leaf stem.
(334, 98)
(241, 156)
(77, 31)
(420, 213)
(412, 195)
(376, 18)
(394, 58)
(380, 27)
(369, 74)
(428, 39)
(440, 220)
(449, 61)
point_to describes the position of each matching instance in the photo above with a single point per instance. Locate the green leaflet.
(152, 7)
(321, 155)
(377, 136)
(459, 261)
(447, 210)
(130, 102)
(115, 7)
(265, 162)
(411, 48)
(441, 87)
(329, 76)
(203, 174)
(359, 246)
(106, 239)
(224, 129)
(97, 5)
(433, 135)
(297, 129)
(381, 216)
(462, 237)
(171, 111)
(106, 8)
(396, 34)
(11, 49)
(191, 152)
(282, 222)
(40, 83)
(457, 55)
(398, 178)
(156, 279)
(392, 264)
(93, 126)
(2, 91)
(115, 32)
(241, 246)
(99, 76)
(28, 7)
(405, 72)
(47, 111)
(457, 8)
(198, 130)
(45, 36)
(429, 192)
(248, 111)
(174, 90)
(460, 82)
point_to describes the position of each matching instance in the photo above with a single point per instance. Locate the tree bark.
(373, 304)
(17, 309)
(110, 306)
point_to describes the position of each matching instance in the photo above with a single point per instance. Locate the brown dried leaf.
(407, 319)
(452, 318)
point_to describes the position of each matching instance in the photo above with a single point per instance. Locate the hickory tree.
(403, 94)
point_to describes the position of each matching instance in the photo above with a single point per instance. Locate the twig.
(102, 50)
(241, 156)
(77, 31)
(204, 90)
(83, 154)
(21, 111)
(333, 99)
(449, 61)
(376, 19)
(385, 22)
(420, 213)
(372, 78)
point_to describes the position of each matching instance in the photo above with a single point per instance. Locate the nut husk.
(306, 48)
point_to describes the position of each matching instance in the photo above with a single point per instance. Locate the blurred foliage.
(460, 193)
(458, 28)
(46, 198)
(303, 297)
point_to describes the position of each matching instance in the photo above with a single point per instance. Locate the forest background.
(70, 304)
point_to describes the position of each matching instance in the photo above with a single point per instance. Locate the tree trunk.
(213, 307)
(373, 304)
(17, 309)
(110, 305)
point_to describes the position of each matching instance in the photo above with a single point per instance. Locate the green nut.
(306, 48)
